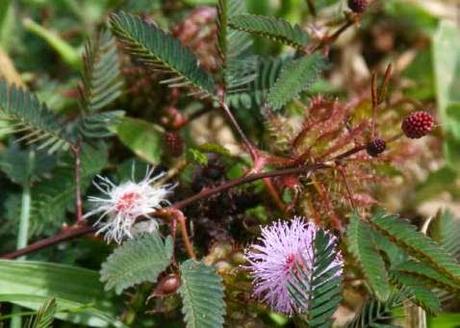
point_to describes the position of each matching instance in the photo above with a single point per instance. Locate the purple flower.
(283, 245)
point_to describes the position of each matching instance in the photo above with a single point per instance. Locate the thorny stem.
(256, 157)
(347, 186)
(205, 193)
(70, 233)
(274, 194)
(329, 39)
(185, 237)
(248, 144)
(78, 230)
(78, 203)
(83, 229)
(374, 96)
(176, 216)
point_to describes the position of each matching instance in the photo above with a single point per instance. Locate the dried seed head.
(358, 6)
(376, 147)
(417, 124)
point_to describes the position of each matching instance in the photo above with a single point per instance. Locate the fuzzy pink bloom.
(125, 203)
(283, 245)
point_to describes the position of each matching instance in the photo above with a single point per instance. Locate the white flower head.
(127, 202)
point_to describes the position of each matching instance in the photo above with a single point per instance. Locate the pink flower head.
(125, 203)
(283, 246)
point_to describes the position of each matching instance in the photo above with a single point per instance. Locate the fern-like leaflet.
(25, 114)
(315, 284)
(101, 77)
(160, 51)
(417, 244)
(254, 91)
(376, 314)
(238, 63)
(45, 315)
(362, 246)
(136, 261)
(295, 77)
(202, 295)
(271, 27)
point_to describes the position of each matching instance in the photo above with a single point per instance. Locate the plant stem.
(23, 233)
(70, 233)
(246, 179)
(78, 203)
(80, 230)
(24, 218)
(231, 118)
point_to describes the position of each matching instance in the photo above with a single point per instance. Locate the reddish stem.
(253, 151)
(79, 229)
(70, 233)
(274, 194)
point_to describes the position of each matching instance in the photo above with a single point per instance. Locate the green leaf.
(445, 229)
(45, 315)
(437, 181)
(446, 54)
(142, 137)
(202, 295)
(215, 148)
(276, 29)
(417, 244)
(25, 166)
(315, 284)
(362, 245)
(65, 50)
(425, 273)
(238, 61)
(99, 125)
(254, 92)
(26, 114)
(418, 292)
(78, 290)
(295, 77)
(197, 156)
(376, 314)
(159, 50)
(136, 261)
(53, 197)
(102, 83)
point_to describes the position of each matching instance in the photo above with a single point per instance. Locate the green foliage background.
(41, 46)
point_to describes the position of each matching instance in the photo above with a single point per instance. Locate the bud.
(376, 147)
(174, 143)
(167, 286)
(357, 6)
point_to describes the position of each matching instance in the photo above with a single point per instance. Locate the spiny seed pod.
(357, 6)
(376, 147)
(417, 124)
(174, 143)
